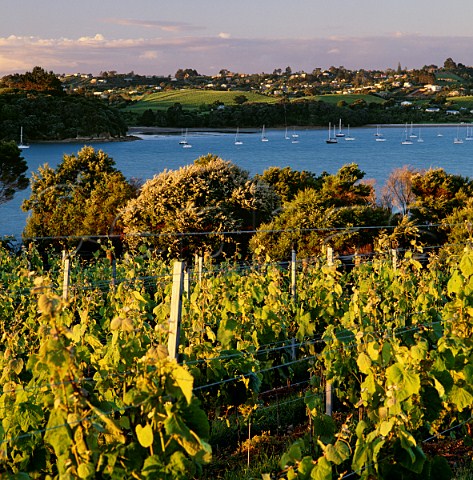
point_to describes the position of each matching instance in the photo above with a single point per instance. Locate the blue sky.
(251, 36)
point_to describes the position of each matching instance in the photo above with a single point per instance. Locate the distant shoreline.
(133, 132)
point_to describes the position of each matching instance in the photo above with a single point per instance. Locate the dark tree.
(12, 171)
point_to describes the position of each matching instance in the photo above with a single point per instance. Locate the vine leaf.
(145, 435)
(466, 264)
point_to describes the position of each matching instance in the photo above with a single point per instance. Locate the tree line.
(302, 112)
(35, 101)
(213, 207)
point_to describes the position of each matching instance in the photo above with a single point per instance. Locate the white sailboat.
(286, 136)
(457, 139)
(263, 135)
(469, 133)
(237, 138)
(184, 142)
(406, 141)
(295, 136)
(348, 138)
(331, 139)
(340, 133)
(420, 139)
(412, 135)
(379, 136)
(21, 145)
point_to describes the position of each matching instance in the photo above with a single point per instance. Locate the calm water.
(154, 153)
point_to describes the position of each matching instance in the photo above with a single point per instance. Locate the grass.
(466, 101)
(193, 99)
(349, 98)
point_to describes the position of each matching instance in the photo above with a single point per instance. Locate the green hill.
(193, 99)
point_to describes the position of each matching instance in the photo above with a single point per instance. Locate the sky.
(155, 37)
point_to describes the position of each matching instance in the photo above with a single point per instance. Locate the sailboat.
(21, 145)
(263, 135)
(331, 139)
(184, 142)
(295, 136)
(237, 138)
(412, 135)
(286, 136)
(420, 139)
(469, 136)
(340, 133)
(348, 138)
(406, 141)
(457, 139)
(379, 136)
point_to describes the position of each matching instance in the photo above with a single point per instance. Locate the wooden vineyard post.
(67, 275)
(113, 264)
(330, 256)
(328, 385)
(176, 309)
(187, 283)
(328, 398)
(293, 276)
(200, 267)
(394, 255)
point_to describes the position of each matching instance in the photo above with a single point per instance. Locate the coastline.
(134, 132)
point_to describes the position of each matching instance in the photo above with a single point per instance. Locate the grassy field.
(192, 99)
(349, 99)
(465, 102)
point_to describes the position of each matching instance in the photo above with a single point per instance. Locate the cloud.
(209, 54)
(155, 24)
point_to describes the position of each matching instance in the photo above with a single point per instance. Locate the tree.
(12, 171)
(397, 192)
(240, 99)
(323, 216)
(449, 64)
(287, 182)
(182, 207)
(438, 194)
(38, 79)
(82, 196)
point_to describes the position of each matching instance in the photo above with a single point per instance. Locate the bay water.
(303, 149)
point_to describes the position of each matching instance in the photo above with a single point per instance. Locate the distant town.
(432, 85)
(51, 106)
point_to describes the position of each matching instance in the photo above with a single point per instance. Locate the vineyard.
(92, 386)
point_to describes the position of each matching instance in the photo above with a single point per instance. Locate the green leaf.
(414, 460)
(138, 296)
(185, 381)
(225, 333)
(373, 350)
(86, 470)
(337, 453)
(364, 363)
(322, 471)
(455, 284)
(386, 427)
(466, 264)
(145, 435)
(403, 379)
(460, 397)
(419, 350)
